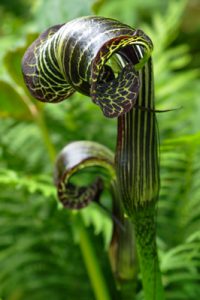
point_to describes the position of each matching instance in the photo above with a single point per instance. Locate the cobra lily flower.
(109, 62)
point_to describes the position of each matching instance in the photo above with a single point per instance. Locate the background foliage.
(39, 249)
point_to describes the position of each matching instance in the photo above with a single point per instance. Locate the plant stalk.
(145, 229)
(39, 118)
(91, 262)
(137, 167)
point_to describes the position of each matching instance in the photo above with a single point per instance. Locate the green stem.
(145, 231)
(91, 262)
(39, 118)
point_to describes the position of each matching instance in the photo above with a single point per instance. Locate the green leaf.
(60, 11)
(100, 221)
(96, 6)
(42, 184)
(13, 58)
(12, 104)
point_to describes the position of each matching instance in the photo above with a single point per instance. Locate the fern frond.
(42, 185)
(37, 251)
(180, 266)
(33, 184)
(22, 145)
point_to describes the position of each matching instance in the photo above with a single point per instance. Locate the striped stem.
(122, 250)
(138, 178)
(137, 149)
